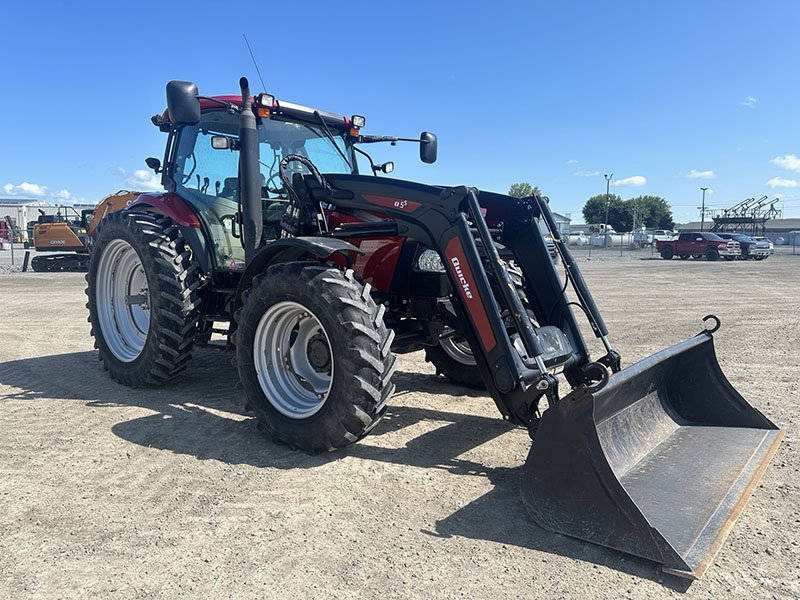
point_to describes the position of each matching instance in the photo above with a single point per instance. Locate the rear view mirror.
(428, 147)
(153, 163)
(183, 105)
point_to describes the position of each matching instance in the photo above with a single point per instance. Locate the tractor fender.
(170, 205)
(173, 206)
(291, 249)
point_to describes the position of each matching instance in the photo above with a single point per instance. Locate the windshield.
(712, 236)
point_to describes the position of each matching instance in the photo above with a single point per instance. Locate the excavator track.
(61, 262)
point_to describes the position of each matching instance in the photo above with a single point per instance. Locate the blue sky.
(669, 97)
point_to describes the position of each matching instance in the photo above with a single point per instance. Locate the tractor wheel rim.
(293, 360)
(458, 350)
(123, 300)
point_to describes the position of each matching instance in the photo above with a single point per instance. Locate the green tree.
(654, 210)
(594, 211)
(523, 190)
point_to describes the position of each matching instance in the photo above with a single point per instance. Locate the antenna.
(255, 64)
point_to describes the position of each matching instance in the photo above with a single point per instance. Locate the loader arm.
(517, 372)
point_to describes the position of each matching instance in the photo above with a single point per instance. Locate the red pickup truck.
(697, 245)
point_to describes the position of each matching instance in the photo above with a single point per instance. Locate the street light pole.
(608, 201)
(703, 209)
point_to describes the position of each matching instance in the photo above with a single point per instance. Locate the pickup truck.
(751, 248)
(663, 235)
(698, 244)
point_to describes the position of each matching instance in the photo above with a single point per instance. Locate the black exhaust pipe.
(249, 175)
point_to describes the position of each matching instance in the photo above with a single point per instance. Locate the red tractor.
(318, 275)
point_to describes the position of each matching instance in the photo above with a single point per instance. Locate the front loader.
(317, 275)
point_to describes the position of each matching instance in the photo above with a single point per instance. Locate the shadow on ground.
(200, 414)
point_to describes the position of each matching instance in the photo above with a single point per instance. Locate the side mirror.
(154, 164)
(428, 147)
(183, 105)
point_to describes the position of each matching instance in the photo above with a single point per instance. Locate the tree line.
(654, 212)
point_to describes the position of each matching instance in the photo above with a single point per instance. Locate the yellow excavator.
(72, 237)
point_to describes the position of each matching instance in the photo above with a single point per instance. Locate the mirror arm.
(369, 158)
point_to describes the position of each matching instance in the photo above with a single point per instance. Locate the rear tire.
(142, 298)
(314, 356)
(712, 254)
(667, 252)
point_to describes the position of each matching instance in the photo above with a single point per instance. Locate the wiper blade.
(330, 137)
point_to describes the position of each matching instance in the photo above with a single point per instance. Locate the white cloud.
(41, 192)
(581, 173)
(139, 180)
(25, 189)
(572, 161)
(780, 182)
(635, 181)
(749, 102)
(695, 174)
(61, 195)
(790, 162)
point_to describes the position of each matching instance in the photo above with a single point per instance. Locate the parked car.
(698, 244)
(769, 242)
(750, 247)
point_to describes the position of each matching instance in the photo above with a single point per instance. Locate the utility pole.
(608, 201)
(703, 209)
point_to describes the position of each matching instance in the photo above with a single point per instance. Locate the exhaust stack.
(249, 175)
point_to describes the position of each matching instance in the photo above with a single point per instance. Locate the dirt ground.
(109, 492)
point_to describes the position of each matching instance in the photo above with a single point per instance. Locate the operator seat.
(230, 187)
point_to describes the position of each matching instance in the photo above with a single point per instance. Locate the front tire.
(712, 254)
(142, 298)
(314, 356)
(453, 358)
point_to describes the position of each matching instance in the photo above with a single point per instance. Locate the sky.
(668, 97)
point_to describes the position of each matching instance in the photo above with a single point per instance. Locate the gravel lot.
(110, 492)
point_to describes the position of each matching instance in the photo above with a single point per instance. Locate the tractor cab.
(202, 165)
(224, 157)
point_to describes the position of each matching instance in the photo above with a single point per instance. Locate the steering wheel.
(283, 171)
(188, 176)
(274, 190)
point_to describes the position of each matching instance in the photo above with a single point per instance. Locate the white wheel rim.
(123, 300)
(293, 360)
(458, 350)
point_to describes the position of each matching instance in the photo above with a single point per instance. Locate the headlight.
(429, 260)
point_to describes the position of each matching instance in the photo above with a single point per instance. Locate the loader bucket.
(657, 463)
